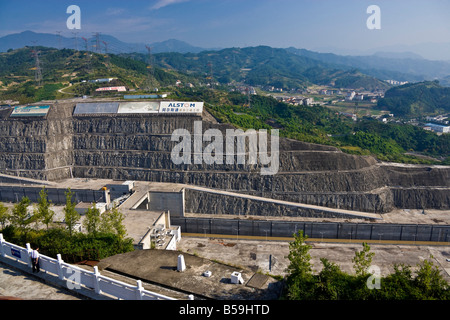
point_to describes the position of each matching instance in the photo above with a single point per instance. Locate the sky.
(321, 25)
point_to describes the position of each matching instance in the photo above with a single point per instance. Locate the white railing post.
(28, 260)
(97, 279)
(2, 251)
(139, 290)
(73, 282)
(60, 267)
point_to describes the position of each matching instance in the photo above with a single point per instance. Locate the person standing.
(35, 260)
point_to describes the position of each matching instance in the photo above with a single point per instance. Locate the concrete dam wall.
(138, 147)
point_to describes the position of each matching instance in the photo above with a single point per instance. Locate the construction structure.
(132, 140)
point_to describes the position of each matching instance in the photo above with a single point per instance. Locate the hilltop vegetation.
(318, 124)
(62, 68)
(417, 99)
(332, 283)
(264, 66)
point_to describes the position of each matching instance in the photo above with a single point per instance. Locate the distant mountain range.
(106, 42)
(406, 66)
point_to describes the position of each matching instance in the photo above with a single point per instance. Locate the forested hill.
(417, 99)
(61, 68)
(263, 66)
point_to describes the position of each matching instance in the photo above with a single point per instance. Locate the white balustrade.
(76, 277)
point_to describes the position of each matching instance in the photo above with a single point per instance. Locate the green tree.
(328, 286)
(397, 285)
(4, 214)
(71, 216)
(20, 216)
(92, 220)
(112, 222)
(43, 210)
(430, 282)
(300, 280)
(362, 260)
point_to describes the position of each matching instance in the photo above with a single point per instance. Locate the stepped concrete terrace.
(138, 147)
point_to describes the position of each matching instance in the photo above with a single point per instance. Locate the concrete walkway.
(15, 283)
(358, 214)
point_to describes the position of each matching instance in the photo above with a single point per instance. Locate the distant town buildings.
(296, 101)
(437, 128)
(441, 119)
(350, 95)
(105, 80)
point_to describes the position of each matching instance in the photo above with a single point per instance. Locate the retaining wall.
(325, 230)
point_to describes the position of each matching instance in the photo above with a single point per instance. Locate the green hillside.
(318, 124)
(264, 66)
(70, 70)
(417, 99)
(65, 74)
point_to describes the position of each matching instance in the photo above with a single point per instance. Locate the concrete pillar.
(107, 197)
(29, 250)
(181, 266)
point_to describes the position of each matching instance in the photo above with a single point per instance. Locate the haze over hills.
(264, 66)
(401, 67)
(406, 66)
(29, 38)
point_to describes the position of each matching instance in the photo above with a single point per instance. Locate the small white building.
(438, 128)
(350, 95)
(82, 207)
(161, 235)
(308, 101)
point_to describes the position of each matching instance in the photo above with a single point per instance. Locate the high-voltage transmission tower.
(37, 67)
(150, 67)
(97, 42)
(86, 43)
(88, 55)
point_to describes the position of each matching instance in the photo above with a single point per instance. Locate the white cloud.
(114, 11)
(164, 3)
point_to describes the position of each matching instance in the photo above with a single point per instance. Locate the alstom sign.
(180, 107)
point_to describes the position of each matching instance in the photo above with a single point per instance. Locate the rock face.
(139, 147)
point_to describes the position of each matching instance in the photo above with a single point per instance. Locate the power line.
(97, 42)
(37, 67)
(88, 55)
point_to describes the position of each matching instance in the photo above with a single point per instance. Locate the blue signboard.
(30, 111)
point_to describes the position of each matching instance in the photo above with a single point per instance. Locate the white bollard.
(139, 289)
(97, 280)
(60, 267)
(181, 266)
(29, 254)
